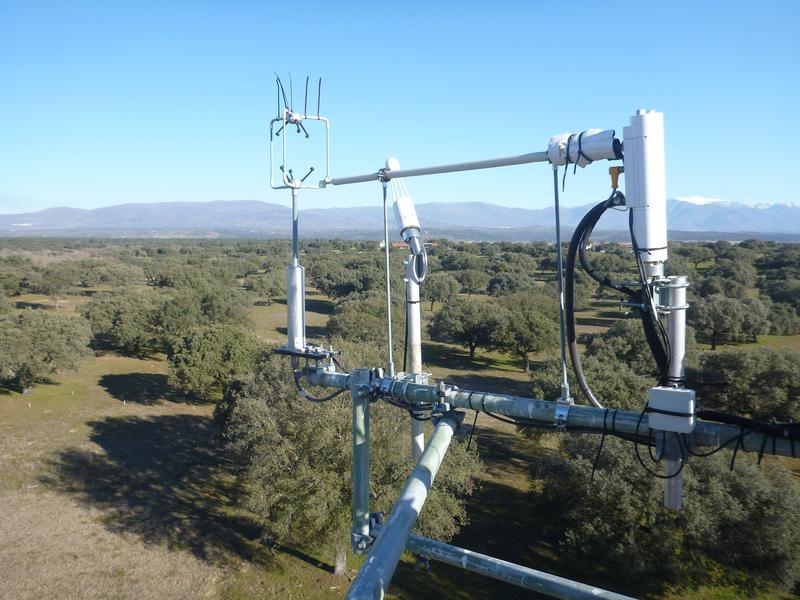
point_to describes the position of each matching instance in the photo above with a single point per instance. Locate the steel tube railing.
(530, 579)
(706, 433)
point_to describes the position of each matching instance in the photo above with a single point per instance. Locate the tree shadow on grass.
(323, 307)
(451, 357)
(32, 305)
(166, 480)
(503, 523)
(595, 321)
(500, 525)
(312, 331)
(144, 388)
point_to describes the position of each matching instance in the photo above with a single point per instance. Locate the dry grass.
(43, 258)
(112, 486)
(269, 320)
(66, 304)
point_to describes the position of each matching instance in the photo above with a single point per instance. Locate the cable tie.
(761, 451)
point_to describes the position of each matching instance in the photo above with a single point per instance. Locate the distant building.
(404, 246)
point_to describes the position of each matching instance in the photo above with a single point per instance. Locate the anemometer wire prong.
(319, 94)
(305, 101)
(282, 92)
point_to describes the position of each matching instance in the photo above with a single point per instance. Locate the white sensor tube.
(646, 188)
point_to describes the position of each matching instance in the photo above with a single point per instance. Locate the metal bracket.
(561, 414)
(442, 411)
(385, 386)
(360, 543)
(309, 352)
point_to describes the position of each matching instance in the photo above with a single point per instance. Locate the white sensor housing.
(583, 148)
(646, 187)
(405, 213)
(678, 401)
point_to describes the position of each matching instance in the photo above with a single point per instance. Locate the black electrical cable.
(412, 410)
(649, 446)
(603, 438)
(654, 332)
(503, 419)
(472, 431)
(303, 394)
(790, 431)
(577, 245)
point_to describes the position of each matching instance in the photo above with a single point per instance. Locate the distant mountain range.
(688, 219)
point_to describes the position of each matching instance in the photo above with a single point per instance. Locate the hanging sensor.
(646, 189)
(584, 148)
(281, 128)
(405, 213)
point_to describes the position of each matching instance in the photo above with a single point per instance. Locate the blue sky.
(106, 103)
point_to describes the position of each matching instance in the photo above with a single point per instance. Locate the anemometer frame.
(290, 119)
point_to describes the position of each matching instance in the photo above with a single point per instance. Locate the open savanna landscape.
(122, 471)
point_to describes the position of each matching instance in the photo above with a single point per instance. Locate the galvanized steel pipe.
(491, 163)
(706, 433)
(530, 579)
(359, 532)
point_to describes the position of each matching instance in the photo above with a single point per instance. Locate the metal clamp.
(360, 543)
(442, 411)
(561, 414)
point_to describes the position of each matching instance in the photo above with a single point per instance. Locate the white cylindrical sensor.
(295, 302)
(405, 214)
(646, 188)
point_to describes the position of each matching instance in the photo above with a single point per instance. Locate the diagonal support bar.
(376, 572)
(530, 579)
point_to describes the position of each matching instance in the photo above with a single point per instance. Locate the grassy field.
(114, 486)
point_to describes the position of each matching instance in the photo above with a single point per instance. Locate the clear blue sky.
(105, 103)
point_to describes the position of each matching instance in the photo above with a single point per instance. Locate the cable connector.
(615, 172)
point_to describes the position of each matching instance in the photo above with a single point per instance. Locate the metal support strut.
(376, 572)
(414, 344)
(359, 390)
(588, 418)
(672, 297)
